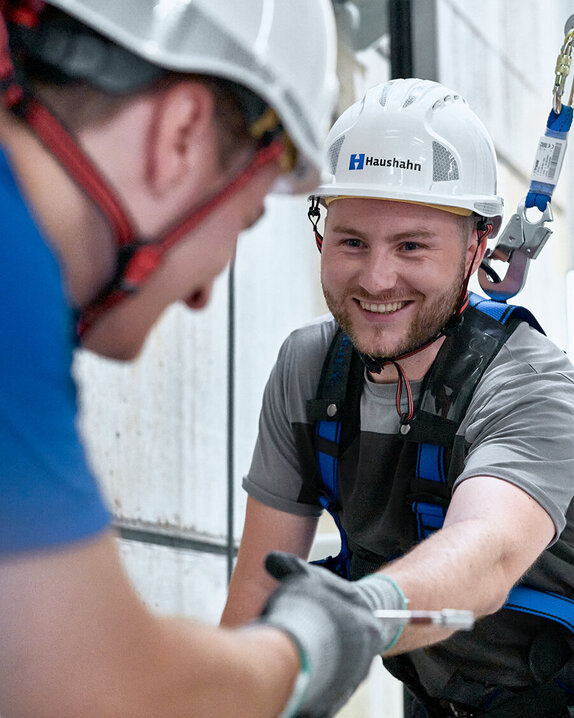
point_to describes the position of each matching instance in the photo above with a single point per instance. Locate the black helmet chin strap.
(314, 214)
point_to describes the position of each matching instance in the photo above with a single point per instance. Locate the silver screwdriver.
(448, 617)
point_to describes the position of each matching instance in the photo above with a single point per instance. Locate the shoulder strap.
(336, 408)
(335, 411)
(502, 311)
(467, 352)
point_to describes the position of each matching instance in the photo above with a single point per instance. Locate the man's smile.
(382, 307)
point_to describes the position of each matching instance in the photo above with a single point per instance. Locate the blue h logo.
(356, 162)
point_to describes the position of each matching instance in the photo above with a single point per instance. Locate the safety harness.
(137, 258)
(447, 390)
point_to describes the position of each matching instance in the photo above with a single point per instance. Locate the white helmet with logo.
(284, 52)
(416, 141)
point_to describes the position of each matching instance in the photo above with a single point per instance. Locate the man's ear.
(181, 131)
(476, 253)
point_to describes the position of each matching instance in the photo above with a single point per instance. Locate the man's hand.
(331, 620)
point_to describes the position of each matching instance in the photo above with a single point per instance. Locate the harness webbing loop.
(550, 156)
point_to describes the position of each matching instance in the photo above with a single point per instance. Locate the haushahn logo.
(359, 161)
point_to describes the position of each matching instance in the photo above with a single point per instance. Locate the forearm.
(76, 641)
(247, 595)
(173, 678)
(492, 534)
(457, 567)
(254, 668)
(266, 530)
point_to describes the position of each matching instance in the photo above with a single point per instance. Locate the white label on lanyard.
(548, 162)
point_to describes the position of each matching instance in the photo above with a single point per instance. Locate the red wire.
(403, 382)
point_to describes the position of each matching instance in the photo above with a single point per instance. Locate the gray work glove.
(331, 621)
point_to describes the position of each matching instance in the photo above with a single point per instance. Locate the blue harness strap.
(329, 470)
(429, 511)
(502, 312)
(542, 603)
(331, 431)
(328, 412)
(429, 466)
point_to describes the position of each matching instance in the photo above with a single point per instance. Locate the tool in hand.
(447, 617)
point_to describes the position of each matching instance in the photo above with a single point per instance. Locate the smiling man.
(392, 282)
(427, 420)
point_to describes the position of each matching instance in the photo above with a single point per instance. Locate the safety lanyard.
(522, 239)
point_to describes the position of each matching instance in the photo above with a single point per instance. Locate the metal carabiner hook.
(520, 241)
(563, 64)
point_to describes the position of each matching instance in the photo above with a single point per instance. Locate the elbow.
(495, 602)
(501, 584)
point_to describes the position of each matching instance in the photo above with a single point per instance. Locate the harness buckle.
(520, 241)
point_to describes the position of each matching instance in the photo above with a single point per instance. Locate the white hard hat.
(284, 51)
(416, 141)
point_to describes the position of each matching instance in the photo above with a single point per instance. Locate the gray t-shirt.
(519, 427)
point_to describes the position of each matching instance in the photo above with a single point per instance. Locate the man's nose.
(200, 298)
(379, 272)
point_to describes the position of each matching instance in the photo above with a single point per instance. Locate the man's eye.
(410, 246)
(353, 243)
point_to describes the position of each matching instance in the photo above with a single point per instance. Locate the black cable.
(400, 32)
(230, 421)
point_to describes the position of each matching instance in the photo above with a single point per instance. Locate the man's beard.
(427, 324)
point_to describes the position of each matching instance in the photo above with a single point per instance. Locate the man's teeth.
(382, 308)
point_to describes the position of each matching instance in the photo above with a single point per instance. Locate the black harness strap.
(448, 388)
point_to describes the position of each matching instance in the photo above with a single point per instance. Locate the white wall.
(158, 429)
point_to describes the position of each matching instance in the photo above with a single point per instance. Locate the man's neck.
(415, 366)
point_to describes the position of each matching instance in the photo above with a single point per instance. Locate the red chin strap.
(137, 258)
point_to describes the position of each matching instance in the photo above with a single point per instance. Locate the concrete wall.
(166, 432)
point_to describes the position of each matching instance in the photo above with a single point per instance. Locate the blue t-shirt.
(48, 495)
